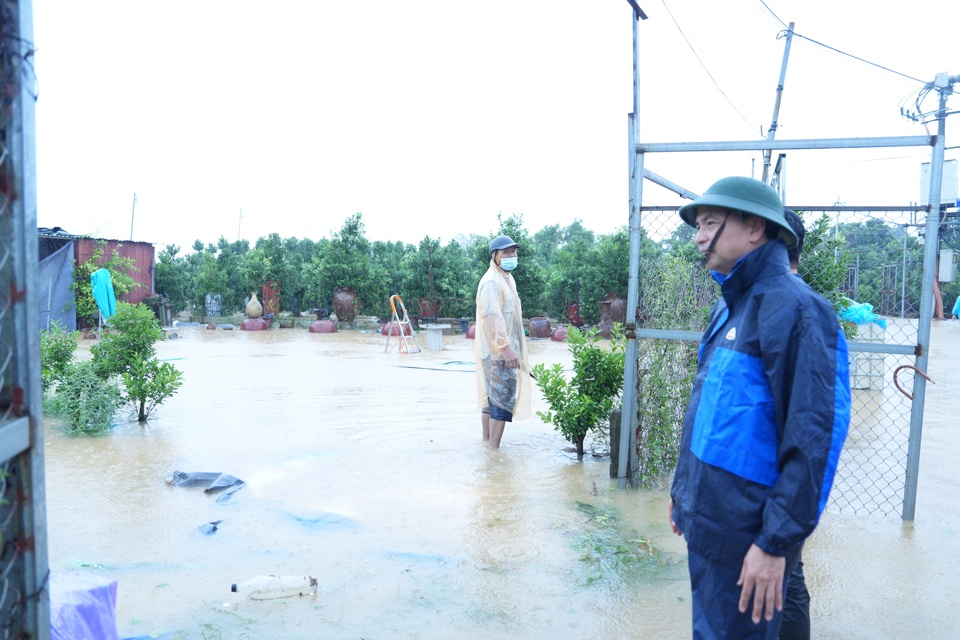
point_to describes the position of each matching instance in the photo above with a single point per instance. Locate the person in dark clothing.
(767, 417)
(796, 606)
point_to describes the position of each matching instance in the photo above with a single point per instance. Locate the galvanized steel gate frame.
(628, 462)
(24, 602)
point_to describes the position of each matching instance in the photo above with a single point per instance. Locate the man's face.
(738, 238)
(510, 252)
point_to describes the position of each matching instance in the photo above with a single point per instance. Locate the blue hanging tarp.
(103, 294)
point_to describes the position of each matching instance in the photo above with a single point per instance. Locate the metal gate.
(24, 604)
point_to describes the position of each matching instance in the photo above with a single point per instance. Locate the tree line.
(559, 265)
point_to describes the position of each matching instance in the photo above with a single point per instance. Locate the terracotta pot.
(392, 329)
(573, 312)
(605, 328)
(345, 304)
(618, 307)
(472, 332)
(254, 324)
(559, 335)
(539, 327)
(323, 326)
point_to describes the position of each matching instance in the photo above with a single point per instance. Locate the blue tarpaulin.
(861, 313)
(103, 294)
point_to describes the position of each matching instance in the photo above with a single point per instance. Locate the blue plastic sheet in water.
(82, 605)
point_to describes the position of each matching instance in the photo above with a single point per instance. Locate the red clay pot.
(392, 329)
(254, 324)
(323, 326)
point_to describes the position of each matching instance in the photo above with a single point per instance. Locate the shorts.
(497, 413)
(501, 385)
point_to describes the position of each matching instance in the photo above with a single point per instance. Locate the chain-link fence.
(871, 261)
(24, 608)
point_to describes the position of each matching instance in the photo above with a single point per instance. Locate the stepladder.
(400, 334)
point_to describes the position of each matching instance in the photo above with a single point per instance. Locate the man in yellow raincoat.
(503, 372)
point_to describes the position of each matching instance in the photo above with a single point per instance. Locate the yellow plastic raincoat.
(500, 323)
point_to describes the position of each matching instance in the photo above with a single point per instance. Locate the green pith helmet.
(746, 195)
(502, 242)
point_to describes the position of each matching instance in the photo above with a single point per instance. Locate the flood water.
(365, 469)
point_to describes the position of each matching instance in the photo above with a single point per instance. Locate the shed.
(59, 251)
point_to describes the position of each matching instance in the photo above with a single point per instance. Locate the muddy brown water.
(366, 470)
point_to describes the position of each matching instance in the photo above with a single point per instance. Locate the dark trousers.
(716, 598)
(796, 608)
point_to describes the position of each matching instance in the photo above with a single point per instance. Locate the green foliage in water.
(85, 400)
(149, 383)
(128, 351)
(134, 329)
(611, 551)
(583, 403)
(56, 353)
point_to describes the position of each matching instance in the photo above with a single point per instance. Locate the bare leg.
(496, 432)
(485, 421)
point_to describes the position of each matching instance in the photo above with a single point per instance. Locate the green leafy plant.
(583, 403)
(149, 383)
(56, 353)
(85, 400)
(128, 351)
(664, 382)
(134, 329)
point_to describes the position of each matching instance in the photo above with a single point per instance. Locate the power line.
(773, 14)
(880, 66)
(709, 75)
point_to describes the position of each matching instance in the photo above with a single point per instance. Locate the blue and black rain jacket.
(768, 415)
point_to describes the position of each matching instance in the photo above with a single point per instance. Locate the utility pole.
(133, 211)
(776, 105)
(238, 224)
(943, 84)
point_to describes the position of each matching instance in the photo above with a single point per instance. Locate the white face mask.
(508, 264)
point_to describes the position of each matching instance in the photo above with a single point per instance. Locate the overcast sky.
(431, 117)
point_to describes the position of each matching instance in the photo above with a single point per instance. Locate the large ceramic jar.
(345, 304)
(254, 309)
(618, 307)
(539, 327)
(605, 328)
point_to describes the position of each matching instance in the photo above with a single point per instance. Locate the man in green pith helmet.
(503, 380)
(767, 418)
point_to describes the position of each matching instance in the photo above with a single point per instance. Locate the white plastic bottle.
(270, 587)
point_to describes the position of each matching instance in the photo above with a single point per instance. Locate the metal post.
(931, 246)
(133, 210)
(29, 568)
(628, 416)
(903, 277)
(776, 105)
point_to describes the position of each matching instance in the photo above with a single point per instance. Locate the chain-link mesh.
(872, 261)
(18, 613)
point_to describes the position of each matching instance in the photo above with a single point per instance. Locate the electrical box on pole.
(948, 192)
(948, 265)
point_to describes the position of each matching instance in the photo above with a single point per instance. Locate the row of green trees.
(557, 264)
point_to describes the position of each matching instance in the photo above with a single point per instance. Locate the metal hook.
(897, 382)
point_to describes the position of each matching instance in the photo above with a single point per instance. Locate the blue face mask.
(508, 264)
